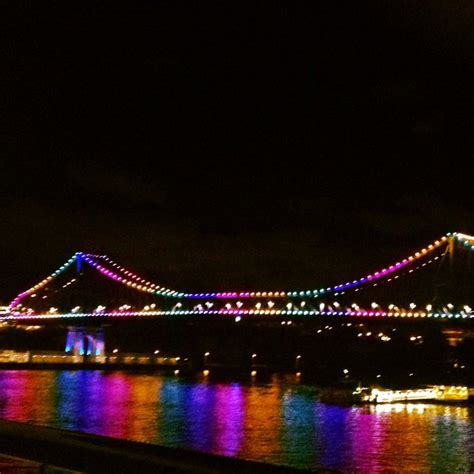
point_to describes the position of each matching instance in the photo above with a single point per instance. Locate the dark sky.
(234, 146)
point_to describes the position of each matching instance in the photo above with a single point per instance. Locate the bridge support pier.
(83, 341)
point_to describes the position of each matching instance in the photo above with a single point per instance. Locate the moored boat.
(432, 393)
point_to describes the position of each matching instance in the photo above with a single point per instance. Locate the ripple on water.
(275, 422)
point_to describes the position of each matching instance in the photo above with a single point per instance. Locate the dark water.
(276, 422)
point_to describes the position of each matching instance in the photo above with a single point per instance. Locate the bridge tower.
(84, 341)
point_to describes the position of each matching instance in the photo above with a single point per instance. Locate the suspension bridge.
(90, 286)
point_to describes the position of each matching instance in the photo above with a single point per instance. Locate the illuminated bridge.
(89, 292)
(434, 282)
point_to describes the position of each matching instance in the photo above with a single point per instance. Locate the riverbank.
(370, 352)
(54, 448)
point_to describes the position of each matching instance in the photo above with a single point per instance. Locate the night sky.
(219, 147)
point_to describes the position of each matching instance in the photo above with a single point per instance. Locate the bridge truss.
(386, 293)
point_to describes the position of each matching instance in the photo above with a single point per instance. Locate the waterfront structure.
(37, 303)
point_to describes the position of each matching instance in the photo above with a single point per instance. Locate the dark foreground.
(81, 452)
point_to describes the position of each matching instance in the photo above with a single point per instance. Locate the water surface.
(275, 422)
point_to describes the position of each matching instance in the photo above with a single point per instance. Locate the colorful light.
(244, 312)
(44, 282)
(115, 272)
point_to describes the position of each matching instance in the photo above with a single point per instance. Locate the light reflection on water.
(277, 422)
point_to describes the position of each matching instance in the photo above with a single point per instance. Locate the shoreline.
(346, 393)
(83, 452)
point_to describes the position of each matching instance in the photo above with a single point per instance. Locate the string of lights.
(120, 274)
(127, 274)
(43, 282)
(249, 312)
(280, 294)
(392, 278)
(380, 273)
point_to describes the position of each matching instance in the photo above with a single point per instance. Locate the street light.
(298, 363)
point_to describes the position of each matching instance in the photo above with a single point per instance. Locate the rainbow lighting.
(44, 282)
(126, 277)
(243, 312)
(381, 273)
(467, 240)
(110, 269)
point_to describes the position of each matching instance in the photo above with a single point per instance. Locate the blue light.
(78, 263)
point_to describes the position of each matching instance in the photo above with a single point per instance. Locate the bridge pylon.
(85, 341)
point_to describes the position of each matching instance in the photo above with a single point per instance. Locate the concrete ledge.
(91, 454)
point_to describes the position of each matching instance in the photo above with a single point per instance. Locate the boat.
(432, 393)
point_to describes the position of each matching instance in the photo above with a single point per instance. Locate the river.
(276, 422)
